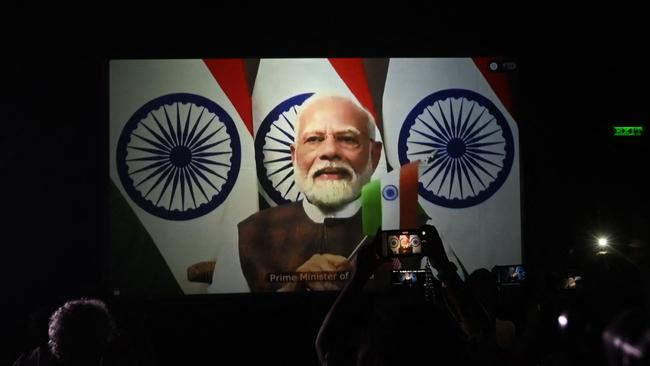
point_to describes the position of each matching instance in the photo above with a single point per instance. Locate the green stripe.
(371, 207)
(135, 265)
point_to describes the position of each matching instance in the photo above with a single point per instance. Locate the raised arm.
(474, 321)
(338, 339)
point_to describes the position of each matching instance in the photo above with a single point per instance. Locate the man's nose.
(329, 149)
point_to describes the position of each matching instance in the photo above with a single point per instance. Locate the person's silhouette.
(401, 326)
(79, 333)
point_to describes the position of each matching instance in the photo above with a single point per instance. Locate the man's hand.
(322, 263)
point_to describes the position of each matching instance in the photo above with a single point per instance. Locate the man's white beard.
(332, 194)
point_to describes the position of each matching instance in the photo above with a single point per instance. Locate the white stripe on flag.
(390, 201)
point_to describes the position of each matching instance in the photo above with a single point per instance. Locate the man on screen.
(334, 155)
(404, 244)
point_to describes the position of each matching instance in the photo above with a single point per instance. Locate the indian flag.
(391, 202)
(463, 109)
(182, 173)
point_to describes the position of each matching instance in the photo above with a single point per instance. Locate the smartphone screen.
(403, 243)
(510, 274)
(414, 277)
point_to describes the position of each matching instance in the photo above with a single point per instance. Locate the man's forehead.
(333, 112)
(314, 128)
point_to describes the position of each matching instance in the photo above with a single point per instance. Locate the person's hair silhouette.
(80, 331)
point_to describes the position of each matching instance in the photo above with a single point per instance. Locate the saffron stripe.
(499, 81)
(231, 76)
(408, 182)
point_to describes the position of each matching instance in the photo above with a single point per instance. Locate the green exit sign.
(628, 131)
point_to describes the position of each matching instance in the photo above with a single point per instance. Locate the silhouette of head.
(80, 331)
(484, 286)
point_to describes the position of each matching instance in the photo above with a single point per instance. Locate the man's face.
(333, 156)
(404, 241)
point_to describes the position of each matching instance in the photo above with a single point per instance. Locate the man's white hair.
(317, 97)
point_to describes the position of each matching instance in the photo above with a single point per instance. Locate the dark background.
(579, 73)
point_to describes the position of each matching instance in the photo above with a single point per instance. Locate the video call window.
(205, 198)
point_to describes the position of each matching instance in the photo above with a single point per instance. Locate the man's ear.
(375, 154)
(292, 147)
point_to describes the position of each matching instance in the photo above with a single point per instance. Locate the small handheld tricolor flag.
(391, 202)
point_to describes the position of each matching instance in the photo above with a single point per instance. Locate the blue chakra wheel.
(178, 156)
(472, 142)
(390, 193)
(273, 153)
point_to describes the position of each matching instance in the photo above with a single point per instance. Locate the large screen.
(244, 175)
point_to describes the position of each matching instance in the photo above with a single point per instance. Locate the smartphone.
(404, 243)
(514, 274)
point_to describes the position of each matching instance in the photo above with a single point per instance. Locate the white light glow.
(602, 242)
(562, 320)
